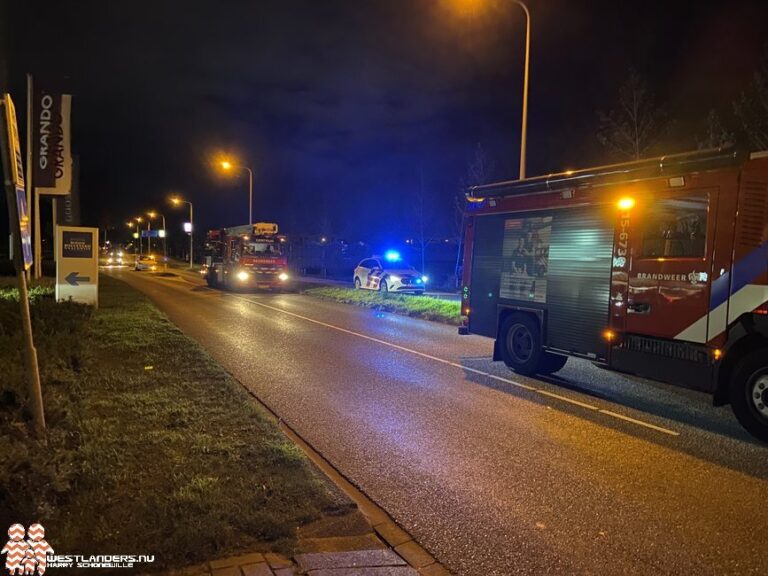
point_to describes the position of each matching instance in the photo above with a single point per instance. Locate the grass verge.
(151, 447)
(36, 289)
(436, 309)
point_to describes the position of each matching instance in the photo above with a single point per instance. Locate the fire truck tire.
(551, 363)
(520, 344)
(749, 393)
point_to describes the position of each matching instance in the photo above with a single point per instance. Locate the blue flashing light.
(392, 256)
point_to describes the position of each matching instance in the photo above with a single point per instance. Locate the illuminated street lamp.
(227, 165)
(139, 220)
(176, 201)
(153, 214)
(524, 126)
(131, 223)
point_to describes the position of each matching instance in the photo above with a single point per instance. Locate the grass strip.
(151, 447)
(426, 307)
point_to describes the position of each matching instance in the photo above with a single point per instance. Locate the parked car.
(388, 274)
(145, 263)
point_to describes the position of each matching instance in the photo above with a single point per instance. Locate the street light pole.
(191, 231)
(524, 127)
(139, 220)
(176, 201)
(154, 214)
(165, 242)
(226, 164)
(250, 195)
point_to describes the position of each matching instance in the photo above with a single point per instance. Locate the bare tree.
(424, 224)
(751, 108)
(635, 124)
(716, 135)
(479, 171)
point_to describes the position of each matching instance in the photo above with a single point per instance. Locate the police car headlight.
(283, 276)
(425, 279)
(242, 276)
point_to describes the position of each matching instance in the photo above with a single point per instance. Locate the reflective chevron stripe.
(747, 299)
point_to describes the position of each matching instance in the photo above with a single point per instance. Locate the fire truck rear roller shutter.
(578, 280)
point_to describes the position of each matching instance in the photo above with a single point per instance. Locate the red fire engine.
(246, 257)
(657, 268)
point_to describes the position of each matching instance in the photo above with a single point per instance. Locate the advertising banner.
(51, 142)
(77, 264)
(68, 207)
(17, 180)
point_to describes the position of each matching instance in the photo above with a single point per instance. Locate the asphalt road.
(587, 473)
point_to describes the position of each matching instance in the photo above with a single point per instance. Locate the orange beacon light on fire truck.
(626, 203)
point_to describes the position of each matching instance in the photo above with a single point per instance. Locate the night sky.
(341, 106)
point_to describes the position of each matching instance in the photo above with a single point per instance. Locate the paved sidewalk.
(376, 562)
(364, 542)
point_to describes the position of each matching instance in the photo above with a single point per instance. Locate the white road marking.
(639, 422)
(466, 368)
(566, 399)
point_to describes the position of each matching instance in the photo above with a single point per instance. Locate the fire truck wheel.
(749, 393)
(551, 363)
(520, 343)
(357, 283)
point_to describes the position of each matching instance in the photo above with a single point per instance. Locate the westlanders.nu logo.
(28, 556)
(34, 555)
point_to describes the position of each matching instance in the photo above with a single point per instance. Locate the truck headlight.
(242, 276)
(282, 276)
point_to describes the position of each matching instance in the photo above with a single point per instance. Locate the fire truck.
(246, 257)
(657, 268)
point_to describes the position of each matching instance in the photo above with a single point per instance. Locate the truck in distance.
(247, 257)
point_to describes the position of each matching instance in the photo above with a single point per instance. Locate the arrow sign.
(73, 279)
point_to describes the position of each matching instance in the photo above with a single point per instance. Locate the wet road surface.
(587, 472)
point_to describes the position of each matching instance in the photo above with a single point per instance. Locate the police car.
(388, 274)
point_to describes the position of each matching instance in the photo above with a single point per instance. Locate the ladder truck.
(248, 257)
